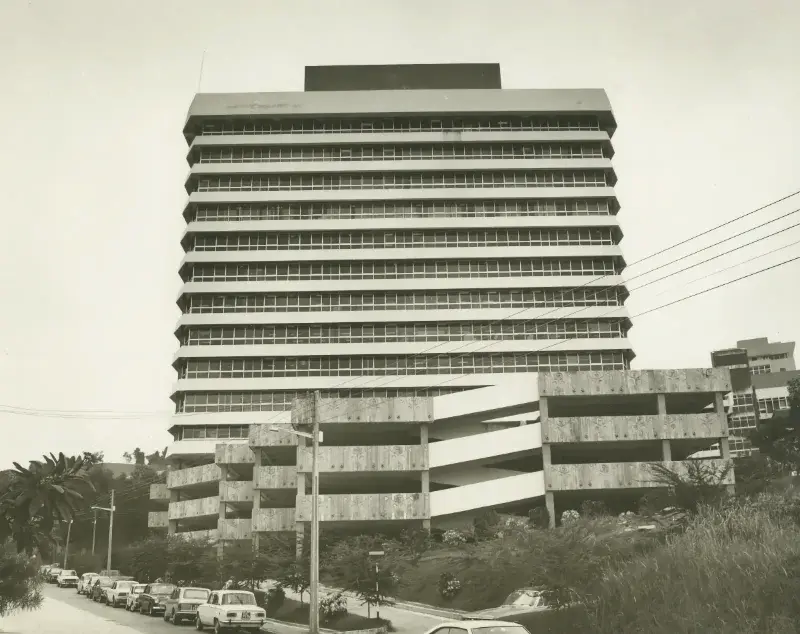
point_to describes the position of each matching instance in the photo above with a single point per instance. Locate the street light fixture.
(316, 438)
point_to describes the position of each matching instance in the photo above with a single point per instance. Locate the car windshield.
(525, 598)
(125, 584)
(238, 598)
(68, 572)
(195, 594)
(106, 583)
(137, 589)
(500, 629)
(161, 588)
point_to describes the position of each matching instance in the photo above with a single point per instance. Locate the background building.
(760, 375)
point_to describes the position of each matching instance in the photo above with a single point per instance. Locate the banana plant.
(32, 500)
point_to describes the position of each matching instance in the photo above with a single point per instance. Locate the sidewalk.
(56, 617)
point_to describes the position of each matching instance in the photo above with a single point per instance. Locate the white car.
(67, 579)
(478, 627)
(53, 573)
(86, 581)
(132, 600)
(118, 593)
(228, 610)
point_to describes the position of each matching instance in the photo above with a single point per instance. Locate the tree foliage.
(778, 437)
(703, 483)
(32, 500)
(20, 582)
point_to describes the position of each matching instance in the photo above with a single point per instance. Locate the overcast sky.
(93, 96)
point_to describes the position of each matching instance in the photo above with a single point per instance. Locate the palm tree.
(33, 499)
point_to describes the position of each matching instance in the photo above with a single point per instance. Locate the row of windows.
(742, 398)
(402, 239)
(760, 369)
(401, 209)
(400, 124)
(281, 154)
(411, 300)
(427, 180)
(773, 404)
(403, 269)
(770, 357)
(479, 363)
(742, 422)
(401, 332)
(196, 432)
(280, 401)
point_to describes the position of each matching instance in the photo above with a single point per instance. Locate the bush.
(332, 607)
(275, 598)
(570, 517)
(20, 581)
(594, 508)
(454, 537)
(86, 562)
(449, 586)
(539, 517)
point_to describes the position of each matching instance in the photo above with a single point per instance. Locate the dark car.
(98, 590)
(154, 598)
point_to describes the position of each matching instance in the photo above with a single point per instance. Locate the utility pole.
(94, 529)
(66, 548)
(313, 620)
(110, 530)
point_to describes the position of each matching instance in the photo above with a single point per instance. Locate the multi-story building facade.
(760, 375)
(436, 462)
(391, 232)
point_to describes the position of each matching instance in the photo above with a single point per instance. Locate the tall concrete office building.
(393, 231)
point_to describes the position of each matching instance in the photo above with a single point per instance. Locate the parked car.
(67, 579)
(523, 606)
(132, 600)
(117, 594)
(231, 609)
(52, 574)
(97, 592)
(86, 580)
(182, 604)
(153, 600)
(478, 627)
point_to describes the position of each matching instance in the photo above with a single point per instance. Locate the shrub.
(20, 581)
(485, 525)
(332, 607)
(570, 517)
(454, 537)
(539, 517)
(449, 586)
(275, 598)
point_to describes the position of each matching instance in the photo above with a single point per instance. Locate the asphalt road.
(141, 623)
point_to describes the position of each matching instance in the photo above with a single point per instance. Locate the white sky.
(93, 96)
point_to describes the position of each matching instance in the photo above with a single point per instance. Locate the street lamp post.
(110, 527)
(313, 577)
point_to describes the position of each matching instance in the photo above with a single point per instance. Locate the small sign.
(376, 553)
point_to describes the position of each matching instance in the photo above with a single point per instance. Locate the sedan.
(86, 581)
(154, 598)
(132, 600)
(97, 592)
(478, 627)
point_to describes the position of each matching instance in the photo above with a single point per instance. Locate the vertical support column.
(724, 442)
(426, 475)
(256, 495)
(174, 496)
(666, 448)
(549, 498)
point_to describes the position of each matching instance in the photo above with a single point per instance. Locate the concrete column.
(549, 498)
(223, 477)
(666, 448)
(426, 474)
(174, 496)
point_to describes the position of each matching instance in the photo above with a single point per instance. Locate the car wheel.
(198, 625)
(150, 612)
